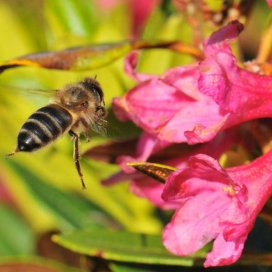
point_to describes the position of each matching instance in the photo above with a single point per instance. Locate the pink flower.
(242, 95)
(150, 189)
(216, 205)
(194, 103)
(168, 106)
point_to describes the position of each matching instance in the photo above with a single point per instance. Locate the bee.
(76, 109)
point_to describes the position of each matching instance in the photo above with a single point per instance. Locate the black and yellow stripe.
(42, 127)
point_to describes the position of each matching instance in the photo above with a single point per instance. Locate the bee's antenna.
(95, 77)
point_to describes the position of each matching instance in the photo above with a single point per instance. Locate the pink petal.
(230, 31)
(230, 252)
(241, 95)
(151, 189)
(197, 115)
(146, 145)
(169, 106)
(230, 201)
(184, 79)
(234, 89)
(172, 108)
(150, 105)
(203, 116)
(148, 188)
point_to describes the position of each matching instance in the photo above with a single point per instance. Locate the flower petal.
(150, 105)
(235, 89)
(145, 146)
(148, 188)
(230, 201)
(230, 31)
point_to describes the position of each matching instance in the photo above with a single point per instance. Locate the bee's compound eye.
(97, 90)
(93, 86)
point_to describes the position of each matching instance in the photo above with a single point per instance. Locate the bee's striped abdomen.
(42, 127)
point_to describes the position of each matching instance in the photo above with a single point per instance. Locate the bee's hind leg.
(76, 156)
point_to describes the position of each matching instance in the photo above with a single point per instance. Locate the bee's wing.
(5, 89)
(105, 129)
(100, 127)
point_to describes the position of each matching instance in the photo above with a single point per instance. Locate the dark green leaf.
(122, 246)
(139, 248)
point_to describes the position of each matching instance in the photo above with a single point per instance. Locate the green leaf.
(122, 246)
(78, 58)
(72, 211)
(92, 56)
(16, 237)
(138, 248)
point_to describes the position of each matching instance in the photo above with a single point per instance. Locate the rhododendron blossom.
(148, 188)
(152, 190)
(230, 201)
(194, 103)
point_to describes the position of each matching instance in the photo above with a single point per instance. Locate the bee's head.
(84, 95)
(93, 86)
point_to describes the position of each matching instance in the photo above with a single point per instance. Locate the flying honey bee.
(76, 109)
